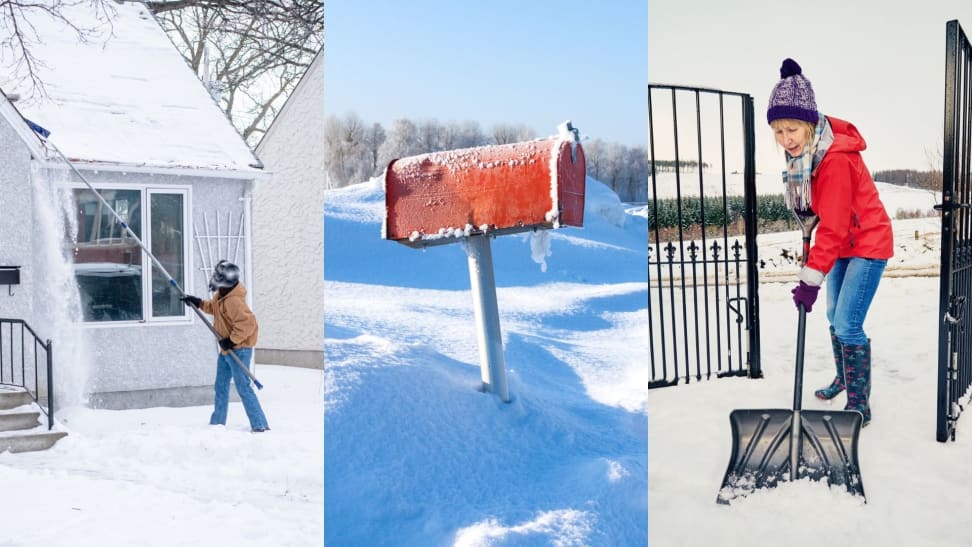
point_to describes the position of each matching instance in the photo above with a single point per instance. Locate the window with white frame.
(116, 279)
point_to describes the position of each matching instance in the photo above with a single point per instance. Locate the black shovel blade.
(761, 441)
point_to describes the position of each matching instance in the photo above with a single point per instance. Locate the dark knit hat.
(793, 96)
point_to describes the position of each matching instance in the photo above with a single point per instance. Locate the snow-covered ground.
(915, 486)
(416, 455)
(162, 477)
(583, 455)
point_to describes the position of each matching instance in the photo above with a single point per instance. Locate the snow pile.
(162, 476)
(416, 454)
(603, 202)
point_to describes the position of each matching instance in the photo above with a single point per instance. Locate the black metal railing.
(19, 342)
(703, 285)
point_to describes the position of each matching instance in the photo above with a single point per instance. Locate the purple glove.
(806, 295)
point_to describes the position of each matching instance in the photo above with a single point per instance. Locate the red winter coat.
(853, 221)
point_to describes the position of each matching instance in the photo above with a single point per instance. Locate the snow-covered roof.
(127, 98)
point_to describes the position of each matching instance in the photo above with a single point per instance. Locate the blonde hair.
(808, 127)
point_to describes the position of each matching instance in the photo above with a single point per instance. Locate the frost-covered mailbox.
(473, 194)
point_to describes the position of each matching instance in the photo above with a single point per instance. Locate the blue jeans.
(851, 285)
(227, 368)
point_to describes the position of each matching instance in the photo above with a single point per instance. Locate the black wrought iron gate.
(703, 287)
(954, 334)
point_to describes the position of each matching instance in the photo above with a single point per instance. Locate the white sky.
(878, 64)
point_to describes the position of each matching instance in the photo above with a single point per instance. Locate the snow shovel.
(773, 445)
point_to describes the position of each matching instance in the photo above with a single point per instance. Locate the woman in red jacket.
(853, 240)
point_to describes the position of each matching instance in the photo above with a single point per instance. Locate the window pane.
(107, 260)
(167, 247)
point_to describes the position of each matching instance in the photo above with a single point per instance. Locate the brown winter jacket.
(232, 318)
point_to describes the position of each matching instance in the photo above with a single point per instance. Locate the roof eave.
(178, 170)
(16, 120)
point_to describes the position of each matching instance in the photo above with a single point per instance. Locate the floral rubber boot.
(837, 386)
(857, 373)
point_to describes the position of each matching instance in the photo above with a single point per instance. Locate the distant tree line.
(711, 211)
(926, 180)
(668, 166)
(355, 151)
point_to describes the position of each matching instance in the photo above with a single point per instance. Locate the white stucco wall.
(154, 356)
(114, 365)
(288, 242)
(16, 220)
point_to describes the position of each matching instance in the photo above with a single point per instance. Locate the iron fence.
(703, 286)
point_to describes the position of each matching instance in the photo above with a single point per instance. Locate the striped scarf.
(799, 169)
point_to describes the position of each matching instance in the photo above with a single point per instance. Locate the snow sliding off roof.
(125, 96)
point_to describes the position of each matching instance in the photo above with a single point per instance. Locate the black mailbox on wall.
(9, 275)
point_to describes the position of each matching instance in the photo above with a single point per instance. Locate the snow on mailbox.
(433, 198)
(473, 194)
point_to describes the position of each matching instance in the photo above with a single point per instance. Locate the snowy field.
(667, 185)
(163, 477)
(416, 455)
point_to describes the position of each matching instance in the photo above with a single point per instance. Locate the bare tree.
(505, 133)
(468, 134)
(374, 137)
(334, 153)
(594, 157)
(19, 33)
(636, 175)
(250, 54)
(429, 136)
(402, 141)
(348, 152)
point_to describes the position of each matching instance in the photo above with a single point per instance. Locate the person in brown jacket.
(235, 323)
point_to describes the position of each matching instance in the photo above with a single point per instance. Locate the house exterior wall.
(148, 363)
(16, 220)
(288, 230)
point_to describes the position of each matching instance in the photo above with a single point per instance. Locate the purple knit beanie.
(793, 96)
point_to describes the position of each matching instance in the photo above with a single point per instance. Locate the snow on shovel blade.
(761, 450)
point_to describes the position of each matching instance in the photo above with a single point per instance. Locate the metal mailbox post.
(473, 194)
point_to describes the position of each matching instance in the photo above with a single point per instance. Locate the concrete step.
(21, 429)
(29, 442)
(14, 398)
(19, 420)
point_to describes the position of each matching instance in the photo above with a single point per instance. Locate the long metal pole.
(483, 283)
(155, 261)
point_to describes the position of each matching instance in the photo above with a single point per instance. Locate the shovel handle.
(798, 368)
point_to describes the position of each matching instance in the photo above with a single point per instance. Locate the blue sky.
(531, 62)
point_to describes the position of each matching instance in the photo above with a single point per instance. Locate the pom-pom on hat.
(792, 97)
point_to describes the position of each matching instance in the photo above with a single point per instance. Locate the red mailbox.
(432, 199)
